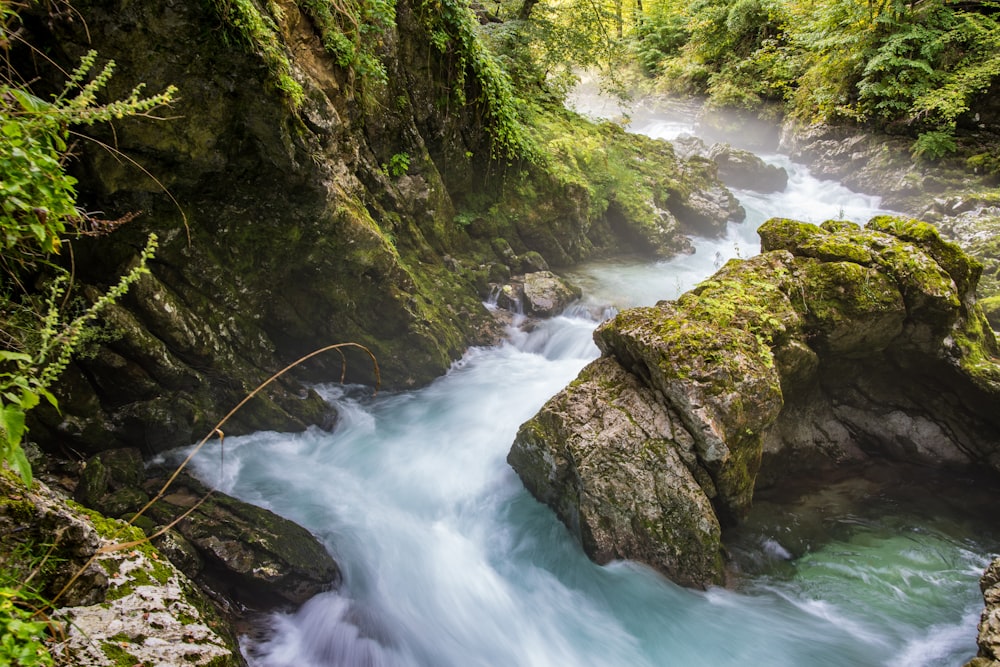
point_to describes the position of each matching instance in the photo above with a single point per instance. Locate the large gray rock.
(743, 169)
(624, 475)
(834, 345)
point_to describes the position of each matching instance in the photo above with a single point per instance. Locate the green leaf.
(29, 399)
(19, 462)
(12, 423)
(47, 395)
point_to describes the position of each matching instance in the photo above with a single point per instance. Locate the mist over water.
(449, 562)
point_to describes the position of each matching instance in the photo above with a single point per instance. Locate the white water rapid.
(448, 561)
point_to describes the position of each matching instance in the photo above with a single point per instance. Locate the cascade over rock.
(835, 345)
(288, 223)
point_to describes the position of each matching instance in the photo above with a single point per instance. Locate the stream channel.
(449, 562)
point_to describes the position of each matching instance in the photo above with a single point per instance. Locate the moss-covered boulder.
(837, 343)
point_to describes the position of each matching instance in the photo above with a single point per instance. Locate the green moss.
(786, 234)
(835, 293)
(257, 32)
(980, 351)
(833, 242)
(991, 308)
(962, 268)
(116, 652)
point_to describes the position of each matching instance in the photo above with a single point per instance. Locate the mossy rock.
(625, 489)
(991, 308)
(835, 344)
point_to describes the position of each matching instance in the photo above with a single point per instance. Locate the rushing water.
(448, 562)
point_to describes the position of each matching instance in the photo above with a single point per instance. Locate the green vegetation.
(22, 637)
(912, 68)
(256, 30)
(39, 334)
(398, 165)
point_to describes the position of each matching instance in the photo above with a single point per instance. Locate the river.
(449, 562)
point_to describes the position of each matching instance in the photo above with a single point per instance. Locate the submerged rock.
(836, 344)
(538, 294)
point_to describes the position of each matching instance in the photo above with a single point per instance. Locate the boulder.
(124, 604)
(743, 169)
(111, 483)
(707, 211)
(989, 621)
(624, 476)
(247, 553)
(537, 294)
(837, 344)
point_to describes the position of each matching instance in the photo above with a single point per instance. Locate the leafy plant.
(38, 210)
(399, 164)
(255, 30)
(37, 196)
(27, 376)
(934, 145)
(451, 28)
(22, 639)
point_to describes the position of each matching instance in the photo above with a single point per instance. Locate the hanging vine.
(451, 27)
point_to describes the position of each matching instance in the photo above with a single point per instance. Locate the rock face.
(835, 344)
(287, 223)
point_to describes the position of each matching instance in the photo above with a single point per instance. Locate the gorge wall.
(293, 221)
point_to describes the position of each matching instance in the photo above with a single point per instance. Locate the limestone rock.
(248, 553)
(620, 476)
(837, 343)
(128, 604)
(743, 169)
(537, 294)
